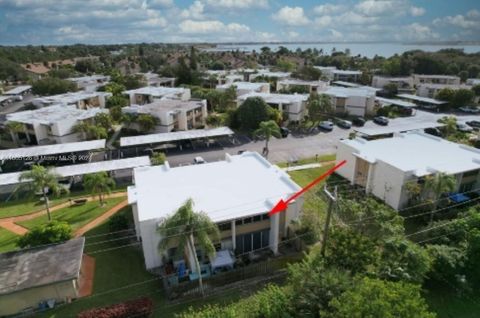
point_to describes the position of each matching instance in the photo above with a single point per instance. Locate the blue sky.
(125, 21)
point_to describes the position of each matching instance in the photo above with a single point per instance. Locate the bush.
(141, 307)
(49, 233)
(52, 86)
(118, 222)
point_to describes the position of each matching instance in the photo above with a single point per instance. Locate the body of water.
(364, 49)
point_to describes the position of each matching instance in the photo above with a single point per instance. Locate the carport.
(175, 137)
(424, 102)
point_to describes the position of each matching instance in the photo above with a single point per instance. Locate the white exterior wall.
(345, 152)
(386, 183)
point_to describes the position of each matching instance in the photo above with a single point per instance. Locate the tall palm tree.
(99, 183)
(188, 228)
(14, 127)
(268, 129)
(437, 185)
(450, 123)
(40, 179)
(318, 106)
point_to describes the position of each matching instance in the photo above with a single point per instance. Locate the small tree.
(99, 183)
(186, 227)
(252, 112)
(146, 122)
(450, 123)
(42, 180)
(436, 185)
(49, 233)
(14, 127)
(104, 120)
(268, 129)
(158, 158)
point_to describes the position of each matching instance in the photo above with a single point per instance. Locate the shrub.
(141, 307)
(49, 233)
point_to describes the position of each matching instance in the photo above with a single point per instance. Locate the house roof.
(346, 72)
(243, 85)
(157, 91)
(418, 153)
(40, 266)
(437, 76)
(276, 98)
(294, 81)
(18, 90)
(19, 153)
(347, 92)
(175, 136)
(241, 185)
(421, 99)
(165, 105)
(396, 102)
(54, 114)
(69, 98)
(84, 168)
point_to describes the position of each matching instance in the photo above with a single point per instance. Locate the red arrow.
(282, 205)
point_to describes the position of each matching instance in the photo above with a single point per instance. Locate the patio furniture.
(77, 202)
(205, 270)
(223, 260)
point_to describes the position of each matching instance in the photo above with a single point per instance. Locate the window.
(224, 226)
(238, 222)
(470, 173)
(257, 218)
(247, 220)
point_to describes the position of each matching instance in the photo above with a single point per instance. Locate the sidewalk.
(90, 225)
(308, 166)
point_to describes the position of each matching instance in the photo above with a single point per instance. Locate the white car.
(464, 128)
(326, 125)
(470, 109)
(199, 160)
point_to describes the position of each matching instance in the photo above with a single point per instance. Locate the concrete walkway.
(9, 223)
(87, 274)
(87, 227)
(308, 166)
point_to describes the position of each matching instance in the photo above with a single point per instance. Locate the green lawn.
(76, 216)
(31, 205)
(304, 177)
(323, 158)
(7, 240)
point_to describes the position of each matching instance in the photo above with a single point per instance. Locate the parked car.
(344, 124)
(284, 131)
(326, 125)
(473, 123)
(470, 109)
(433, 131)
(381, 120)
(199, 160)
(464, 128)
(358, 121)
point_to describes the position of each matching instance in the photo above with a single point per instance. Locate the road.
(15, 106)
(281, 150)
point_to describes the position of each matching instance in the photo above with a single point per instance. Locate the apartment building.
(384, 166)
(90, 83)
(81, 100)
(53, 124)
(301, 85)
(294, 105)
(358, 101)
(334, 74)
(147, 95)
(431, 90)
(404, 83)
(246, 87)
(153, 79)
(173, 114)
(435, 79)
(236, 193)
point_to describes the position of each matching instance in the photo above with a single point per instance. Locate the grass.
(304, 177)
(117, 268)
(7, 240)
(32, 205)
(323, 158)
(76, 216)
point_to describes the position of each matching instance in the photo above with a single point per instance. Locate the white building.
(90, 83)
(19, 91)
(404, 83)
(269, 74)
(473, 81)
(358, 101)
(431, 90)
(308, 86)
(246, 87)
(146, 95)
(292, 104)
(224, 76)
(173, 114)
(81, 100)
(54, 124)
(237, 194)
(435, 79)
(333, 74)
(153, 79)
(384, 166)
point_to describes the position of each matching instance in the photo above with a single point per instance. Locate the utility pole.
(332, 200)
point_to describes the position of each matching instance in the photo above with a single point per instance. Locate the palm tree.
(40, 179)
(98, 183)
(268, 129)
(187, 227)
(437, 185)
(450, 123)
(14, 127)
(318, 105)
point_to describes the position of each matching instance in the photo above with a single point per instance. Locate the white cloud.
(195, 11)
(381, 7)
(328, 8)
(238, 4)
(335, 35)
(473, 14)
(468, 21)
(161, 3)
(416, 32)
(417, 11)
(211, 26)
(323, 21)
(293, 16)
(353, 18)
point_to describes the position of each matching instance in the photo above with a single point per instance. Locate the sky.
(37, 22)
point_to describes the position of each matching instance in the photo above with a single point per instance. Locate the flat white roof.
(276, 98)
(69, 98)
(346, 72)
(440, 86)
(84, 168)
(422, 99)
(242, 185)
(295, 81)
(396, 102)
(157, 91)
(174, 136)
(92, 78)
(18, 90)
(349, 91)
(243, 85)
(437, 76)
(326, 68)
(54, 114)
(19, 153)
(419, 153)
(347, 84)
(4, 98)
(271, 74)
(165, 105)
